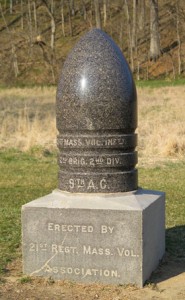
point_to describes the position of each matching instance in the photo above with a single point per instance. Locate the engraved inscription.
(126, 252)
(106, 229)
(88, 250)
(78, 228)
(35, 247)
(122, 252)
(70, 142)
(63, 249)
(85, 250)
(70, 228)
(89, 161)
(104, 141)
(84, 272)
(88, 184)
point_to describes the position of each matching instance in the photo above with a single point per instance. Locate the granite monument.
(97, 119)
(98, 226)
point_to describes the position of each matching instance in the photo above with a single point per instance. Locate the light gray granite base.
(111, 238)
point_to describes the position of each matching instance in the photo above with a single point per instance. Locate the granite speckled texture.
(98, 226)
(96, 119)
(103, 238)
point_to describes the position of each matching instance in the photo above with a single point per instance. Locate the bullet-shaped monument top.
(97, 118)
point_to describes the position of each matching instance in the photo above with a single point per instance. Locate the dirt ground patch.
(167, 282)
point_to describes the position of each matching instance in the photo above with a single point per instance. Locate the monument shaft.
(96, 119)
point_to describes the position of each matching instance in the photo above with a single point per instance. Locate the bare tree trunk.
(154, 31)
(50, 11)
(141, 15)
(109, 14)
(97, 14)
(84, 10)
(35, 15)
(104, 13)
(11, 6)
(53, 25)
(53, 29)
(15, 64)
(22, 19)
(129, 35)
(29, 18)
(134, 25)
(72, 7)
(30, 21)
(70, 21)
(138, 70)
(91, 14)
(109, 9)
(48, 61)
(121, 35)
(5, 5)
(147, 72)
(122, 25)
(13, 49)
(52, 6)
(178, 38)
(62, 16)
(173, 65)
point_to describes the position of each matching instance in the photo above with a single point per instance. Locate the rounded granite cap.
(96, 90)
(96, 118)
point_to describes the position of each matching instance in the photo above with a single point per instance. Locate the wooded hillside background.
(36, 36)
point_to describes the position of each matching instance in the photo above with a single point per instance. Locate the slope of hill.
(27, 55)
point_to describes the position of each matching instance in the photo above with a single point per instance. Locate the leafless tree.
(62, 16)
(50, 12)
(13, 48)
(70, 21)
(84, 9)
(35, 15)
(97, 13)
(72, 7)
(134, 25)
(91, 14)
(11, 6)
(22, 14)
(141, 14)
(178, 37)
(104, 13)
(29, 20)
(154, 31)
(53, 26)
(129, 35)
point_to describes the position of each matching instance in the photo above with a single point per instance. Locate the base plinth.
(111, 238)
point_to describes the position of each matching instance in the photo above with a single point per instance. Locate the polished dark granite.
(96, 118)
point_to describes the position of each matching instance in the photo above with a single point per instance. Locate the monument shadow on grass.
(173, 263)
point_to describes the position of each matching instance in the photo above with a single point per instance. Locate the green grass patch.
(24, 177)
(170, 178)
(27, 176)
(25, 279)
(139, 83)
(23, 85)
(160, 83)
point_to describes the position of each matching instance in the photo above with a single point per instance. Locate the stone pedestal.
(105, 238)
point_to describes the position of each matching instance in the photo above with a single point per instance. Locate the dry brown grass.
(162, 122)
(27, 118)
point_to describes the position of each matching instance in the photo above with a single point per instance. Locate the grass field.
(23, 178)
(27, 118)
(26, 176)
(28, 171)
